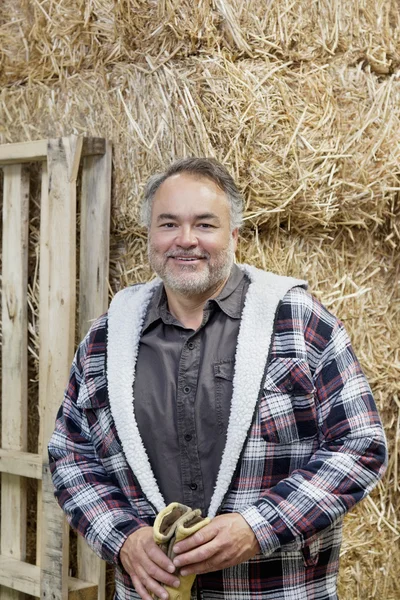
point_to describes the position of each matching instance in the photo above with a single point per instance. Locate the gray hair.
(202, 167)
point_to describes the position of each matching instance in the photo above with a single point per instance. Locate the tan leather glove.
(173, 524)
(166, 523)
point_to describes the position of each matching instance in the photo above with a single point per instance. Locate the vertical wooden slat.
(43, 336)
(14, 358)
(93, 293)
(63, 158)
(94, 238)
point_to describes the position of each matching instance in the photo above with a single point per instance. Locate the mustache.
(176, 253)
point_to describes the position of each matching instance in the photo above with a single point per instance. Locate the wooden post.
(93, 294)
(63, 156)
(14, 359)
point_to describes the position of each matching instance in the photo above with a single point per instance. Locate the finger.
(198, 555)
(157, 556)
(203, 536)
(206, 566)
(153, 571)
(145, 586)
(141, 590)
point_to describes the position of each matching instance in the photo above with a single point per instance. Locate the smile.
(187, 258)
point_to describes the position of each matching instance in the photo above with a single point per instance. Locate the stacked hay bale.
(302, 102)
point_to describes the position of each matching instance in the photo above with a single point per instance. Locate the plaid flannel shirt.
(313, 447)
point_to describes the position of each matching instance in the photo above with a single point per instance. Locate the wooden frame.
(60, 162)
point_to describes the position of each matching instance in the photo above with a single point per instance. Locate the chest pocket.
(223, 378)
(287, 407)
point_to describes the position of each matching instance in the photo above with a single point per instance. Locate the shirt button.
(190, 345)
(290, 387)
(187, 389)
(193, 486)
(188, 437)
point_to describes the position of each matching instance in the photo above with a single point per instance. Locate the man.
(227, 389)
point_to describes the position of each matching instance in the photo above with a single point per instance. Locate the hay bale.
(302, 103)
(55, 38)
(309, 146)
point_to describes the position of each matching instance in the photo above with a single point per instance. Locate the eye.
(167, 225)
(206, 226)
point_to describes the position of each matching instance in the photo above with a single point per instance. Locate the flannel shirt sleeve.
(94, 506)
(350, 458)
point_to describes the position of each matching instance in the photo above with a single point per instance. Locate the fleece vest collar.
(125, 321)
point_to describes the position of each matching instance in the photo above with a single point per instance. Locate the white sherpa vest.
(125, 321)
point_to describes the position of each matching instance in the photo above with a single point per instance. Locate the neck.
(189, 309)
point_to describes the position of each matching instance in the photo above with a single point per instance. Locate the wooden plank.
(14, 358)
(81, 590)
(23, 152)
(55, 544)
(94, 238)
(93, 146)
(36, 151)
(24, 464)
(23, 577)
(44, 328)
(93, 293)
(20, 576)
(63, 162)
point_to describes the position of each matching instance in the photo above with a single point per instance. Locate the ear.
(235, 236)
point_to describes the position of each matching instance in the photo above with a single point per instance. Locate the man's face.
(191, 246)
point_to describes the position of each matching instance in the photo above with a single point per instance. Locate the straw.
(301, 101)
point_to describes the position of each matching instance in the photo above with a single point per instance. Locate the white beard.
(190, 279)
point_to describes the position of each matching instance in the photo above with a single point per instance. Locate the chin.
(188, 285)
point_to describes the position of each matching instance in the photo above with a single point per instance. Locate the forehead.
(184, 192)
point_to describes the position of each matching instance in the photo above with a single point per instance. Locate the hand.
(227, 541)
(147, 564)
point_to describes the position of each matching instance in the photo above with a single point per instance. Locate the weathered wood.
(63, 162)
(57, 325)
(93, 146)
(36, 151)
(81, 590)
(24, 464)
(94, 238)
(55, 545)
(44, 328)
(23, 577)
(20, 576)
(93, 568)
(14, 358)
(23, 152)
(93, 293)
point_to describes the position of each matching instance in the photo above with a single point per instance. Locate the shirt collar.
(158, 306)
(229, 300)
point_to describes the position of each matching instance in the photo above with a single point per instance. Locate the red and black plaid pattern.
(316, 447)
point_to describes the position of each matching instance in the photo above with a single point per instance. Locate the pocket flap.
(287, 408)
(289, 376)
(224, 369)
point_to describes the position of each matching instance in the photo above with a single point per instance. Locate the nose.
(186, 237)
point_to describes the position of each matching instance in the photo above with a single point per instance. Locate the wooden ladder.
(60, 159)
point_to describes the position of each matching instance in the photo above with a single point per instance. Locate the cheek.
(216, 246)
(159, 244)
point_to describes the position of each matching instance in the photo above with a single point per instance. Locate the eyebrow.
(201, 217)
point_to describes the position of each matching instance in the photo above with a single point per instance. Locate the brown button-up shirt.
(183, 391)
